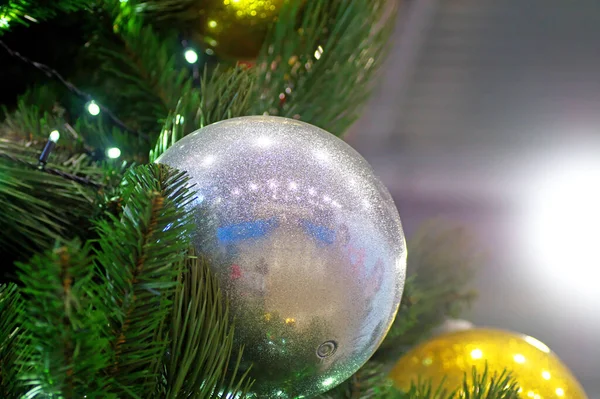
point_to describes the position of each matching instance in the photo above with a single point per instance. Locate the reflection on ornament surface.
(236, 28)
(314, 266)
(539, 372)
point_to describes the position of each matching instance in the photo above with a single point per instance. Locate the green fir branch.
(137, 258)
(225, 94)
(319, 61)
(143, 77)
(441, 265)
(201, 340)
(24, 12)
(36, 207)
(11, 333)
(65, 326)
(478, 385)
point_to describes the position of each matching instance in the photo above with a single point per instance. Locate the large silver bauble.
(306, 242)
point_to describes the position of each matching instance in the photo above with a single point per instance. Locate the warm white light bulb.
(93, 108)
(113, 152)
(54, 136)
(191, 56)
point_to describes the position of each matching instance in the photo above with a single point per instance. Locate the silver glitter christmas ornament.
(306, 242)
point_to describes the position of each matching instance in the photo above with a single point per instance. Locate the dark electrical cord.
(87, 97)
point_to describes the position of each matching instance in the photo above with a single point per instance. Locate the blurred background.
(488, 116)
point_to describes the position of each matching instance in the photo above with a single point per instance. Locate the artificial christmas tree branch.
(201, 339)
(137, 260)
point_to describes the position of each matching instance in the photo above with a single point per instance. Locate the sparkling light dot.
(293, 186)
(318, 52)
(476, 354)
(328, 381)
(191, 56)
(519, 358)
(4, 21)
(54, 136)
(113, 153)
(93, 108)
(546, 375)
(560, 392)
(212, 24)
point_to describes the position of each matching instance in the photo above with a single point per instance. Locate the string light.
(54, 136)
(113, 153)
(4, 21)
(50, 144)
(191, 56)
(93, 108)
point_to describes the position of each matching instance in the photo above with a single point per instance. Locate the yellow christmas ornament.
(539, 372)
(235, 29)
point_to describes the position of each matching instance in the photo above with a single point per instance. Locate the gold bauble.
(235, 29)
(539, 373)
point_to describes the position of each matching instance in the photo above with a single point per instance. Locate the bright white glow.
(113, 153)
(253, 186)
(519, 358)
(54, 136)
(327, 382)
(4, 21)
(191, 56)
(546, 375)
(93, 108)
(319, 52)
(560, 391)
(321, 155)
(476, 354)
(562, 231)
(209, 160)
(264, 141)
(538, 344)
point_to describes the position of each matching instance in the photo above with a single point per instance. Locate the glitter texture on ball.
(306, 242)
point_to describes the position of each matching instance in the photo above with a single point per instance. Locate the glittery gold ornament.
(306, 242)
(539, 372)
(235, 29)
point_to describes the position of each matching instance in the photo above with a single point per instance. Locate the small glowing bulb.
(319, 52)
(93, 108)
(519, 358)
(54, 136)
(113, 153)
(191, 56)
(546, 375)
(476, 354)
(212, 24)
(4, 21)
(560, 392)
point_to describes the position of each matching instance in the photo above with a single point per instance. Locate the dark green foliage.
(201, 339)
(11, 308)
(319, 61)
(65, 326)
(479, 385)
(441, 263)
(36, 207)
(28, 11)
(137, 260)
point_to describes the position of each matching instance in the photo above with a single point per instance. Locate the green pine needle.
(11, 331)
(138, 258)
(201, 340)
(64, 324)
(319, 62)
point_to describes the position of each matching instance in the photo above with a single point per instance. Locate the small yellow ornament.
(235, 29)
(539, 373)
